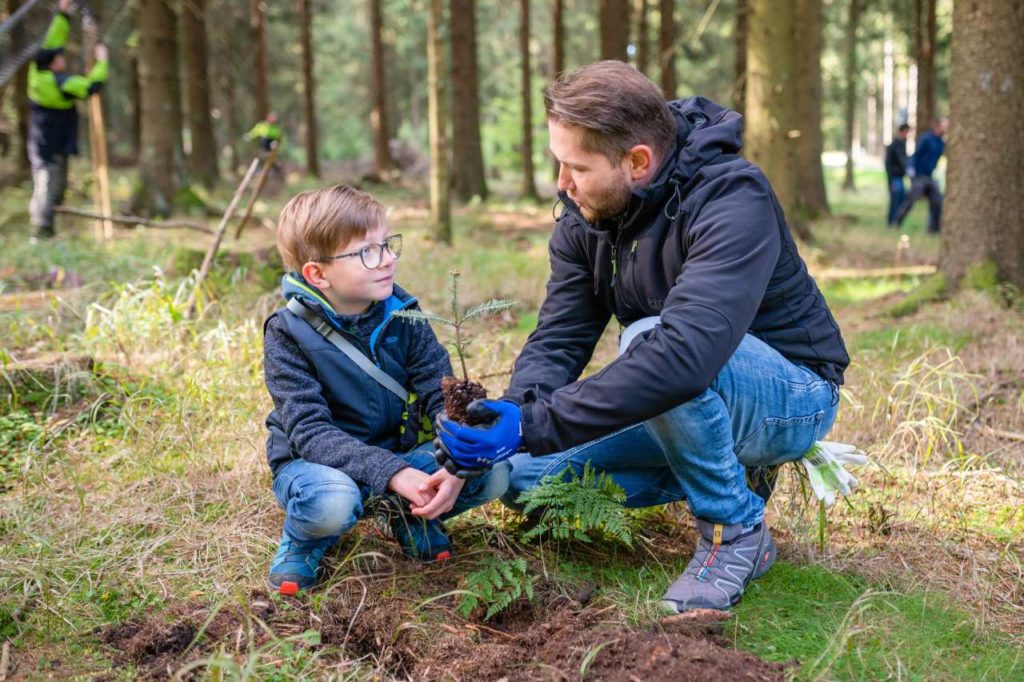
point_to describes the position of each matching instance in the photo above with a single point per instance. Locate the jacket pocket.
(776, 440)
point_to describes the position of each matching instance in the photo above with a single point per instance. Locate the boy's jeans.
(760, 410)
(320, 501)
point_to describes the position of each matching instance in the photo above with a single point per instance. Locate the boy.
(338, 426)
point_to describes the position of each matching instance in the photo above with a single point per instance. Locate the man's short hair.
(904, 127)
(319, 222)
(615, 106)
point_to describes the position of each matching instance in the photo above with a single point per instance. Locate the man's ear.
(641, 161)
(314, 274)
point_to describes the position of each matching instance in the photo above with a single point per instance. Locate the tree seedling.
(459, 393)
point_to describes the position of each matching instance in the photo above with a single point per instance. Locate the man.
(268, 133)
(926, 156)
(739, 366)
(53, 121)
(896, 170)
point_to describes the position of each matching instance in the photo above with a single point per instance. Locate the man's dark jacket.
(896, 159)
(706, 247)
(927, 154)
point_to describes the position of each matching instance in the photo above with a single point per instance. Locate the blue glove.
(481, 447)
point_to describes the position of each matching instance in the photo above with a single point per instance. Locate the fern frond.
(496, 585)
(579, 508)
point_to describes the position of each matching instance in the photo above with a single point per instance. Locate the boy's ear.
(314, 274)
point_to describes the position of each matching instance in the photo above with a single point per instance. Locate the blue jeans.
(897, 191)
(760, 410)
(321, 501)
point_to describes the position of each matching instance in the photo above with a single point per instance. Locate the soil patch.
(573, 644)
(561, 641)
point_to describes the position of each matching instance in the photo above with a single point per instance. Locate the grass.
(842, 627)
(145, 492)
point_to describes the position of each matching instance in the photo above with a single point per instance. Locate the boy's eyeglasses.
(372, 255)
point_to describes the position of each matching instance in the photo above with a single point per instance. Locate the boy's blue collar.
(294, 285)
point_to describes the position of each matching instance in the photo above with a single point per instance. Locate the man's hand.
(413, 485)
(102, 53)
(445, 489)
(65, 6)
(481, 447)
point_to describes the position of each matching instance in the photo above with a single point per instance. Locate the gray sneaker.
(726, 560)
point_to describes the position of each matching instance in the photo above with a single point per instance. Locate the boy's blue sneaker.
(296, 564)
(419, 538)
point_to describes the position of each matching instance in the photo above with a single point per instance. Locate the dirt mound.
(559, 640)
(572, 644)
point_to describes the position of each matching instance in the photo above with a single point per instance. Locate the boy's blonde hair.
(320, 222)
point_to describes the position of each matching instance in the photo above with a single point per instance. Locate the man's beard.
(609, 203)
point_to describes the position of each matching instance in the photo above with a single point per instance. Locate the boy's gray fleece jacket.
(329, 411)
(706, 247)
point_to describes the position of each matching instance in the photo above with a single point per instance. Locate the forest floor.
(137, 523)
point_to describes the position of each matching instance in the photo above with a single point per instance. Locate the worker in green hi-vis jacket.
(53, 121)
(268, 133)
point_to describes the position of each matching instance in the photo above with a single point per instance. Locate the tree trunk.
(739, 88)
(558, 21)
(468, 161)
(924, 41)
(771, 109)
(380, 112)
(308, 87)
(982, 222)
(203, 159)
(667, 48)
(852, 78)
(20, 98)
(437, 105)
(135, 95)
(529, 185)
(161, 110)
(811, 200)
(614, 20)
(643, 44)
(261, 90)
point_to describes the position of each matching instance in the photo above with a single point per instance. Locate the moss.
(932, 289)
(982, 276)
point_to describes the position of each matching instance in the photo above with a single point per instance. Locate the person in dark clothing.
(930, 148)
(896, 170)
(53, 119)
(352, 389)
(730, 357)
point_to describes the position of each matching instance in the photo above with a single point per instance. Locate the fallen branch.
(5, 659)
(137, 220)
(204, 270)
(1006, 435)
(865, 273)
(32, 300)
(268, 163)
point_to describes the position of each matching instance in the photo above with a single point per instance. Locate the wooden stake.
(98, 145)
(217, 238)
(259, 188)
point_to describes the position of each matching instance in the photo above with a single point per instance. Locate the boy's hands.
(444, 488)
(414, 485)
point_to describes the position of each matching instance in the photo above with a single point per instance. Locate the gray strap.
(345, 346)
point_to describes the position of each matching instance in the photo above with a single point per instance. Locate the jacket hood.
(705, 131)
